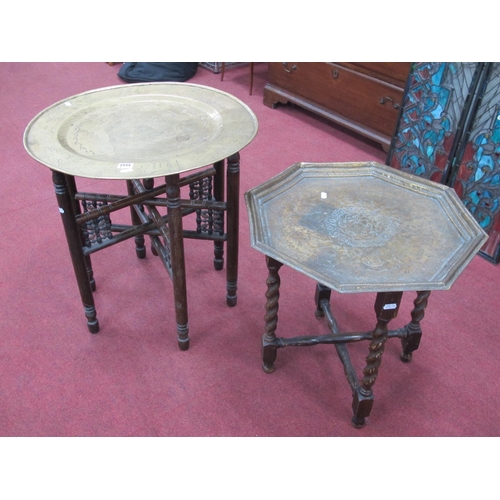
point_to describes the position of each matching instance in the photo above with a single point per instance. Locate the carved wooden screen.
(449, 131)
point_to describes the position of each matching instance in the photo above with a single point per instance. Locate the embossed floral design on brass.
(360, 227)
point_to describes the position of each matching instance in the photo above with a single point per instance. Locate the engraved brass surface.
(363, 227)
(139, 131)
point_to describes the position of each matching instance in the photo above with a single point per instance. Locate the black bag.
(157, 71)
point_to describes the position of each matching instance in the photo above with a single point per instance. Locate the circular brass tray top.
(363, 227)
(139, 131)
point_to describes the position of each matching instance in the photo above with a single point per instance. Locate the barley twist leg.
(411, 341)
(386, 308)
(269, 347)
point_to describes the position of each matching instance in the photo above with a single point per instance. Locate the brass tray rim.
(477, 236)
(76, 165)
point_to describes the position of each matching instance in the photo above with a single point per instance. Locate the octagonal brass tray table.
(138, 133)
(359, 227)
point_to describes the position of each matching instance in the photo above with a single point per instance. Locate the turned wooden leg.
(174, 216)
(73, 238)
(386, 308)
(219, 196)
(233, 203)
(140, 249)
(71, 184)
(269, 348)
(411, 341)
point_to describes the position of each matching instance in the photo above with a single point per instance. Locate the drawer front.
(308, 80)
(355, 96)
(366, 100)
(395, 73)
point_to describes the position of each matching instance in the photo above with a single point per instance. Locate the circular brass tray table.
(137, 133)
(359, 227)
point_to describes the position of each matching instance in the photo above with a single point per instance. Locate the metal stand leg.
(269, 348)
(233, 188)
(386, 308)
(72, 231)
(174, 214)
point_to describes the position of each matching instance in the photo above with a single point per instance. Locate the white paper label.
(323, 195)
(390, 306)
(125, 167)
(61, 210)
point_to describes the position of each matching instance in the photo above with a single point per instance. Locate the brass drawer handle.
(384, 99)
(294, 67)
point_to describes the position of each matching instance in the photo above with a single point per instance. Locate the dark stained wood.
(85, 226)
(219, 196)
(140, 249)
(233, 189)
(174, 213)
(386, 308)
(364, 97)
(73, 236)
(363, 398)
(269, 345)
(411, 341)
(394, 73)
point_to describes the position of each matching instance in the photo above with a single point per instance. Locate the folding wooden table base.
(88, 231)
(188, 135)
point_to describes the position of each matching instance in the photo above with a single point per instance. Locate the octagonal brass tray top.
(139, 131)
(363, 227)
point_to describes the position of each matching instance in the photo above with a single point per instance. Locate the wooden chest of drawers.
(364, 97)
